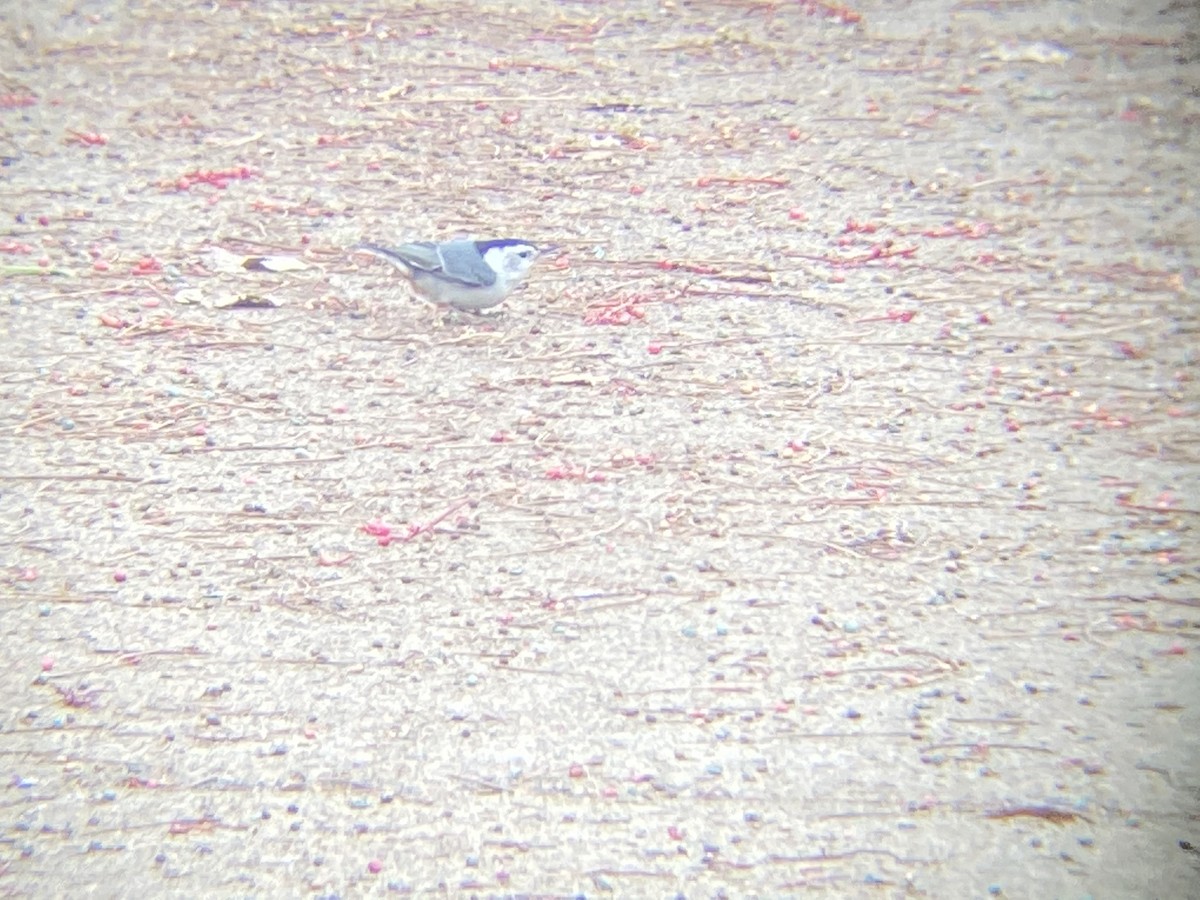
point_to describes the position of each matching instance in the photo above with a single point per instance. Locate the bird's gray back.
(462, 262)
(453, 261)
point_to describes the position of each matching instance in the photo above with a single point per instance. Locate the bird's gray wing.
(461, 262)
(454, 261)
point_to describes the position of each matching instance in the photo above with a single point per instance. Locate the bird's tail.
(385, 253)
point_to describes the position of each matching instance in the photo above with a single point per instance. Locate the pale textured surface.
(876, 518)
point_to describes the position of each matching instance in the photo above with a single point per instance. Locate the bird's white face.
(512, 261)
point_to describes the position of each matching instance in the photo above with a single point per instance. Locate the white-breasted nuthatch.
(468, 275)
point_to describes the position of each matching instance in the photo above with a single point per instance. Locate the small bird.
(464, 274)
